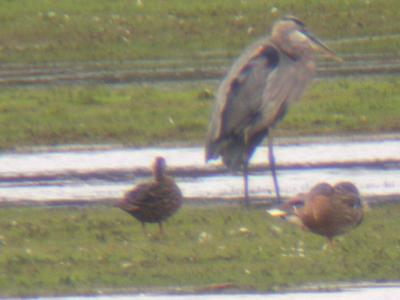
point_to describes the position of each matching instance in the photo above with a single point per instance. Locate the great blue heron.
(256, 92)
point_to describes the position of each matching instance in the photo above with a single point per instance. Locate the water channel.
(97, 174)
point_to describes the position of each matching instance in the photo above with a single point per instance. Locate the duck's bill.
(276, 212)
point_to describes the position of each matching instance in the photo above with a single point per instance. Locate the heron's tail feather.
(233, 152)
(230, 149)
(233, 149)
(233, 155)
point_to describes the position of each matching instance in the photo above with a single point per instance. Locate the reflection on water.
(371, 181)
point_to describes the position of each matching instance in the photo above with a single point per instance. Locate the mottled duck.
(153, 201)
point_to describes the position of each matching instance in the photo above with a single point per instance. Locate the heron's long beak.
(318, 46)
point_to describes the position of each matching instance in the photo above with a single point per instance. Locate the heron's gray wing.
(240, 95)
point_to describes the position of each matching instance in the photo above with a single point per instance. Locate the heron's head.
(159, 167)
(292, 37)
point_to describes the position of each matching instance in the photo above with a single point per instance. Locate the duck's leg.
(272, 166)
(331, 243)
(144, 228)
(161, 228)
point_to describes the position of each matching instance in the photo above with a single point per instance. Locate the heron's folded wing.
(239, 97)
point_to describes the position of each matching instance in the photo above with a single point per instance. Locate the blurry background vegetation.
(44, 33)
(74, 30)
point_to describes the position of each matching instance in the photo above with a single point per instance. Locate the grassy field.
(103, 31)
(176, 113)
(87, 250)
(50, 251)
(73, 30)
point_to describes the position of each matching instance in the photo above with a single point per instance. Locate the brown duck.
(325, 210)
(153, 201)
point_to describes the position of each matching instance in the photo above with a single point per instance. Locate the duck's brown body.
(331, 214)
(154, 201)
(329, 211)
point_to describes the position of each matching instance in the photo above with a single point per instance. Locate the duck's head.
(159, 167)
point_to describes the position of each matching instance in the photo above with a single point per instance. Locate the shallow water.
(128, 159)
(62, 170)
(380, 182)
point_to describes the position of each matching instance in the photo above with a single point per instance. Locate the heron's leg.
(272, 166)
(246, 182)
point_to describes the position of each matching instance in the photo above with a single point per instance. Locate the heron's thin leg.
(272, 166)
(246, 182)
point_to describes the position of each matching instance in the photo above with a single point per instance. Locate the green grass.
(346, 106)
(76, 250)
(74, 30)
(176, 113)
(139, 116)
